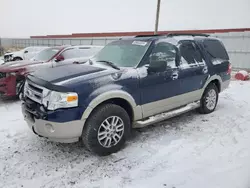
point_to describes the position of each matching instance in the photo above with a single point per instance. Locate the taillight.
(229, 70)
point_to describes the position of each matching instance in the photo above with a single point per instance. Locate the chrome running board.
(166, 115)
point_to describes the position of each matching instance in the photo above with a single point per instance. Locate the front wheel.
(106, 130)
(17, 59)
(209, 99)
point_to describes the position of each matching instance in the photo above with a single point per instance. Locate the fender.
(18, 54)
(209, 80)
(137, 111)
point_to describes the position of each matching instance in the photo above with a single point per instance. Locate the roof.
(127, 34)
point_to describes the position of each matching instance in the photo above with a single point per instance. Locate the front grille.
(34, 110)
(33, 92)
(39, 90)
(2, 75)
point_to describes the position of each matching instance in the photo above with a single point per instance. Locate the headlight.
(53, 100)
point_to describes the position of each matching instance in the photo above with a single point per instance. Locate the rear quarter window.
(216, 51)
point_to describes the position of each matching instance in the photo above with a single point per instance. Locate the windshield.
(123, 53)
(46, 54)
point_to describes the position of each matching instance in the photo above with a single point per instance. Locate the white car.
(24, 54)
(1, 60)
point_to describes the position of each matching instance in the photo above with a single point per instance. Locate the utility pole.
(157, 16)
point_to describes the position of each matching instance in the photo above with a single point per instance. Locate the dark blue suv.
(130, 83)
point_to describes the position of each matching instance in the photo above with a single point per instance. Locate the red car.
(12, 74)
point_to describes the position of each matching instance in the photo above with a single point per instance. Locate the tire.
(97, 122)
(211, 93)
(17, 59)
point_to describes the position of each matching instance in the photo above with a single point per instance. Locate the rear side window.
(216, 49)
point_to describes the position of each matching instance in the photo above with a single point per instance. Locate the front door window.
(165, 52)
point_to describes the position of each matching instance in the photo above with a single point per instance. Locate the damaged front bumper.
(63, 126)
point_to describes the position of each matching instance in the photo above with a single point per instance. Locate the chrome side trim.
(164, 105)
(166, 115)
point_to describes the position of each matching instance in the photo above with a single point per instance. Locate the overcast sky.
(22, 18)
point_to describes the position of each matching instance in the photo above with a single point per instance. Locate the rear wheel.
(106, 130)
(209, 99)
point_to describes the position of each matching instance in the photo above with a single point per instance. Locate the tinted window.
(164, 51)
(123, 53)
(190, 54)
(197, 54)
(216, 49)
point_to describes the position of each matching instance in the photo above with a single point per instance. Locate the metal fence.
(237, 45)
(21, 43)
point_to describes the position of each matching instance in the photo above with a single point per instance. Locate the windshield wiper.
(110, 64)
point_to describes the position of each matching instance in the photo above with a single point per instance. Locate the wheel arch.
(121, 98)
(217, 83)
(215, 79)
(17, 57)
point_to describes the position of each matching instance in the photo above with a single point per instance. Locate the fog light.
(49, 128)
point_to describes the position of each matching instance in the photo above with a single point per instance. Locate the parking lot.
(192, 150)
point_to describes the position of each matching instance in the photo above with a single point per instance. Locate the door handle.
(205, 70)
(175, 75)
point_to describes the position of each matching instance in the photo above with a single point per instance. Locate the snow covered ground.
(189, 151)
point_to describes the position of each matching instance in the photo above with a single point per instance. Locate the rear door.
(193, 70)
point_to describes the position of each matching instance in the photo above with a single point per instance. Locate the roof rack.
(174, 34)
(188, 34)
(155, 35)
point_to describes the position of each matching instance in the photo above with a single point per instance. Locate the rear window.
(216, 49)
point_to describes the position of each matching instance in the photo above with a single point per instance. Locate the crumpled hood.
(69, 72)
(17, 65)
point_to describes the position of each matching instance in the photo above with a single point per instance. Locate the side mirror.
(59, 58)
(25, 51)
(157, 66)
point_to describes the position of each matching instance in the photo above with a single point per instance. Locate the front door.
(159, 88)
